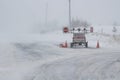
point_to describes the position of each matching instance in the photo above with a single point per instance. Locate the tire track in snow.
(90, 67)
(94, 66)
(98, 69)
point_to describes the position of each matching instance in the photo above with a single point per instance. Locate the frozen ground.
(38, 57)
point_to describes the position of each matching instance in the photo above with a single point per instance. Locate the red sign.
(65, 29)
(91, 29)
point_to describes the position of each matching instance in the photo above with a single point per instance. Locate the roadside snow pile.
(106, 36)
(105, 41)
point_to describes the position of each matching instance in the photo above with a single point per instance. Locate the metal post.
(70, 13)
(46, 14)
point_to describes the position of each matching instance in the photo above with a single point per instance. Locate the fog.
(19, 16)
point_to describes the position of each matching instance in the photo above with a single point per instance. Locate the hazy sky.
(24, 14)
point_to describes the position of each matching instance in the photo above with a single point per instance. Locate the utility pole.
(70, 13)
(46, 14)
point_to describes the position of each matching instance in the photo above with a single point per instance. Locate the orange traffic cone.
(66, 45)
(97, 46)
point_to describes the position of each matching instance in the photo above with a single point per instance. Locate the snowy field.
(37, 56)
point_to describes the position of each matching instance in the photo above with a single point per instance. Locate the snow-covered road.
(98, 65)
(39, 57)
(39, 61)
(72, 64)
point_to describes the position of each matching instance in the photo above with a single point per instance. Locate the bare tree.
(114, 29)
(79, 23)
(75, 23)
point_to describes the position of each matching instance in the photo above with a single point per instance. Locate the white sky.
(24, 14)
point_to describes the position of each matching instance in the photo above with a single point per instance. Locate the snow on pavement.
(39, 57)
(97, 66)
